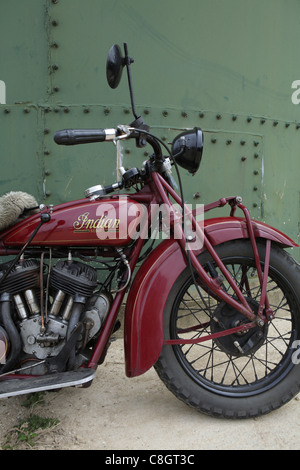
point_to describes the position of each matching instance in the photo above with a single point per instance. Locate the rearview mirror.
(114, 66)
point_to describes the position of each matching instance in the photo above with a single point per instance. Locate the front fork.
(215, 285)
(264, 304)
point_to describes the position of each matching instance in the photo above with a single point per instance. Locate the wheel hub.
(243, 342)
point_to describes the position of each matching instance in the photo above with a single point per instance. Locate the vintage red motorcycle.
(214, 306)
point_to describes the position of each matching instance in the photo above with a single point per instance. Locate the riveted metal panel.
(227, 67)
(23, 50)
(71, 170)
(21, 144)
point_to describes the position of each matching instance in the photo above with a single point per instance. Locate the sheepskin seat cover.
(14, 206)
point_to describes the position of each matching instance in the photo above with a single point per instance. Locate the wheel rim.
(211, 364)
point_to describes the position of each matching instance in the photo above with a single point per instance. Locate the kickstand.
(59, 362)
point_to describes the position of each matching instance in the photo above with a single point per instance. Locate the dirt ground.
(118, 413)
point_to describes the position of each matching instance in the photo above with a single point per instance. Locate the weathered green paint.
(225, 66)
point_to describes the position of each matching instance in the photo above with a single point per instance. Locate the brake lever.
(126, 131)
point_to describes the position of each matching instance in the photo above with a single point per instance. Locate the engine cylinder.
(25, 275)
(74, 278)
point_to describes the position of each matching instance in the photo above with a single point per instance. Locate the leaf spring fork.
(214, 284)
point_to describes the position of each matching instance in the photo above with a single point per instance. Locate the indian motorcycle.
(214, 306)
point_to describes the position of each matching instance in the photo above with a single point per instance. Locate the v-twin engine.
(39, 312)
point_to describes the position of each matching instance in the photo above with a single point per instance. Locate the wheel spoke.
(219, 363)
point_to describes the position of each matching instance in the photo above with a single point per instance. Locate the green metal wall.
(226, 66)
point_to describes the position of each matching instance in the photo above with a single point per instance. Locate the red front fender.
(154, 280)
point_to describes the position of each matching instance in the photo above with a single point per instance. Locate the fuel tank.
(112, 221)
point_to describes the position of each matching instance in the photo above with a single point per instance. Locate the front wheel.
(240, 375)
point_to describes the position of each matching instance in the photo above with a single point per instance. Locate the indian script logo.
(86, 224)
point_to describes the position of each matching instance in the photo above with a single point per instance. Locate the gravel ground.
(118, 413)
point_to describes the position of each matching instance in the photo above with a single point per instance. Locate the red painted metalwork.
(237, 329)
(109, 222)
(147, 299)
(153, 282)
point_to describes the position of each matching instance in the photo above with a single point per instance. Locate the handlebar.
(86, 136)
(83, 136)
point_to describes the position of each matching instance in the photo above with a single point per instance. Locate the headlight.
(187, 149)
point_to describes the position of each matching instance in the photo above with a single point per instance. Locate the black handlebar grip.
(79, 136)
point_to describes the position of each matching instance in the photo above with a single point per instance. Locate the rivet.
(54, 45)
(48, 193)
(197, 195)
(243, 159)
(256, 155)
(184, 114)
(249, 119)
(275, 123)
(165, 113)
(146, 111)
(66, 110)
(54, 67)
(234, 117)
(126, 111)
(46, 152)
(228, 142)
(201, 115)
(255, 143)
(255, 188)
(262, 121)
(26, 110)
(47, 172)
(242, 142)
(219, 116)
(47, 110)
(127, 151)
(46, 131)
(254, 204)
(298, 126)
(7, 111)
(255, 172)
(106, 111)
(54, 2)
(287, 124)
(86, 110)
(214, 140)
(56, 89)
(54, 23)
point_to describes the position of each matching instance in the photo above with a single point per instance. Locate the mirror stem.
(129, 61)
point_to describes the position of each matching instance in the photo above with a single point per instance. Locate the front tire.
(242, 375)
